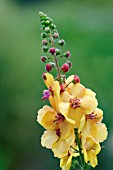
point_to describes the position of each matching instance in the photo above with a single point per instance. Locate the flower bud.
(67, 54)
(69, 63)
(65, 67)
(61, 42)
(58, 52)
(47, 22)
(44, 49)
(62, 89)
(52, 64)
(44, 76)
(76, 79)
(47, 29)
(55, 35)
(52, 50)
(44, 42)
(43, 59)
(52, 26)
(43, 35)
(48, 67)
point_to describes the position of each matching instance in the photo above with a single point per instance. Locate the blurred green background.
(87, 27)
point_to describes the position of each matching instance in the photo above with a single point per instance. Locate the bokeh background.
(87, 27)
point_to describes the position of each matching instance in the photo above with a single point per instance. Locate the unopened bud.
(52, 26)
(44, 42)
(55, 35)
(43, 59)
(48, 67)
(52, 64)
(62, 89)
(61, 42)
(43, 35)
(58, 51)
(76, 79)
(44, 49)
(67, 54)
(69, 63)
(52, 50)
(44, 76)
(47, 29)
(47, 22)
(65, 67)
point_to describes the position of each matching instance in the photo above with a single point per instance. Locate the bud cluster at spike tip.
(52, 46)
(72, 121)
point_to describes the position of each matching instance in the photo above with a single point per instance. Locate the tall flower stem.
(84, 166)
(56, 60)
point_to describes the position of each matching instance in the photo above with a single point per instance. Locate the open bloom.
(90, 149)
(77, 101)
(93, 132)
(59, 135)
(65, 162)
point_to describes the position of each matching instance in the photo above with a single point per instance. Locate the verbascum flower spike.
(73, 123)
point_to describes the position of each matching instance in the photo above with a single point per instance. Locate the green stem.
(83, 164)
(56, 60)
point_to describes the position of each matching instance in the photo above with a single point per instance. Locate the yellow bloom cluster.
(73, 107)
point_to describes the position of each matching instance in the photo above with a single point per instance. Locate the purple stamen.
(46, 94)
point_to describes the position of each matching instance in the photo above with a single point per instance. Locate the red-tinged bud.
(62, 89)
(61, 42)
(44, 76)
(65, 67)
(52, 50)
(44, 42)
(76, 79)
(69, 63)
(55, 35)
(68, 54)
(43, 59)
(48, 67)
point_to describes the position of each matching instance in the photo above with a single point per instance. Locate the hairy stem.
(56, 60)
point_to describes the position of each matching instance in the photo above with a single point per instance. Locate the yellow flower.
(93, 132)
(90, 149)
(65, 162)
(54, 87)
(76, 101)
(60, 133)
(93, 126)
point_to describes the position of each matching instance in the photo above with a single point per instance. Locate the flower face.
(90, 149)
(77, 101)
(59, 132)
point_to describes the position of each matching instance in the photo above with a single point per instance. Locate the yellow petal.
(65, 129)
(99, 115)
(101, 132)
(82, 122)
(46, 117)
(64, 109)
(65, 97)
(71, 139)
(56, 94)
(75, 115)
(49, 80)
(60, 149)
(70, 79)
(49, 138)
(65, 163)
(78, 90)
(96, 130)
(88, 104)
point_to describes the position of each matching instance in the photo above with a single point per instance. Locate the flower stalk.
(73, 123)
